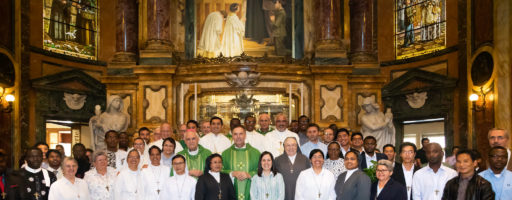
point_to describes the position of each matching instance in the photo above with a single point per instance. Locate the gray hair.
(98, 154)
(388, 164)
(507, 135)
(68, 159)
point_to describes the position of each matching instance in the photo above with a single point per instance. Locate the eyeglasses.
(382, 171)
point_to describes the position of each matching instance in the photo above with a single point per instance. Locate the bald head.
(264, 121)
(191, 139)
(434, 153)
(165, 130)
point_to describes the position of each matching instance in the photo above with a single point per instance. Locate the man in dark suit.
(403, 172)
(369, 154)
(353, 184)
(356, 140)
(390, 151)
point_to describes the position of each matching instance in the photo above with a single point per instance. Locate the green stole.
(270, 129)
(244, 159)
(196, 162)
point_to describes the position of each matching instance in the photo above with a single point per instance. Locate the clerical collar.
(281, 131)
(51, 169)
(216, 175)
(243, 147)
(195, 152)
(33, 171)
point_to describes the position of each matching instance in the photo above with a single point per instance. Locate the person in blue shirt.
(500, 178)
(314, 142)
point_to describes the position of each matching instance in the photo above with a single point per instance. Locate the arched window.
(71, 27)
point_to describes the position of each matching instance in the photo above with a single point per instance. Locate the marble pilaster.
(158, 24)
(361, 31)
(329, 47)
(126, 31)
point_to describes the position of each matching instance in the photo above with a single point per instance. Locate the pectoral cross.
(4, 195)
(436, 192)
(158, 191)
(36, 195)
(108, 189)
(319, 194)
(220, 195)
(266, 195)
(408, 188)
(291, 171)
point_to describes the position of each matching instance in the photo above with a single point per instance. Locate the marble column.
(158, 24)
(361, 31)
(327, 24)
(126, 31)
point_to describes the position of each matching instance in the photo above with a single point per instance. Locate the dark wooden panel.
(482, 22)
(7, 25)
(6, 135)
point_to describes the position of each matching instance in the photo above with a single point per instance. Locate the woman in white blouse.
(334, 162)
(267, 184)
(101, 179)
(316, 182)
(69, 187)
(168, 147)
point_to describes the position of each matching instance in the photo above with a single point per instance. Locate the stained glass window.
(71, 27)
(420, 27)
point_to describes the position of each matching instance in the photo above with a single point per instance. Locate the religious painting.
(70, 27)
(420, 27)
(232, 27)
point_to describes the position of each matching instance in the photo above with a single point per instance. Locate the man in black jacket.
(468, 185)
(369, 154)
(403, 172)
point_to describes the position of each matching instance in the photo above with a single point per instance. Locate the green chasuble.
(182, 142)
(243, 159)
(196, 162)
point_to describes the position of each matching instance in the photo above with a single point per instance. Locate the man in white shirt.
(500, 137)
(145, 134)
(165, 132)
(254, 138)
(215, 141)
(181, 186)
(127, 185)
(313, 143)
(275, 139)
(343, 137)
(116, 158)
(428, 182)
(54, 162)
(155, 175)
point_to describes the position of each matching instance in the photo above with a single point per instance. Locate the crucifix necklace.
(157, 177)
(36, 195)
(220, 192)
(182, 183)
(317, 184)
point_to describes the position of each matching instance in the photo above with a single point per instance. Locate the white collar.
(52, 169)
(368, 156)
(243, 147)
(285, 130)
(432, 170)
(292, 157)
(33, 171)
(195, 152)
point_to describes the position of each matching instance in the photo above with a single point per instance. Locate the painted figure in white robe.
(234, 30)
(210, 45)
(155, 175)
(128, 184)
(180, 186)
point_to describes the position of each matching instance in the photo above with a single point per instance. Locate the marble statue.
(377, 124)
(112, 119)
(74, 101)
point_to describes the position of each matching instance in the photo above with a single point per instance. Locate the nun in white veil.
(179, 185)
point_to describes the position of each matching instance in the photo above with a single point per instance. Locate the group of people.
(265, 163)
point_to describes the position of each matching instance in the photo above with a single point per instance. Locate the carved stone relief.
(416, 100)
(331, 106)
(74, 101)
(242, 79)
(155, 103)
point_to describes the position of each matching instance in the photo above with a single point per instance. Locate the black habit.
(207, 188)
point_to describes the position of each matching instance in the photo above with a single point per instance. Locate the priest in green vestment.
(195, 154)
(241, 162)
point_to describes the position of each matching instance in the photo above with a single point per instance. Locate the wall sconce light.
(9, 98)
(474, 98)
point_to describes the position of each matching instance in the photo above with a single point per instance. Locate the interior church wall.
(445, 62)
